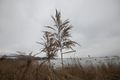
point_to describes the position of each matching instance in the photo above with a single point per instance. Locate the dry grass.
(26, 70)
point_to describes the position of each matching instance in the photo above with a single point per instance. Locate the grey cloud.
(96, 24)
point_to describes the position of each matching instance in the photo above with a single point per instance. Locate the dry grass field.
(32, 70)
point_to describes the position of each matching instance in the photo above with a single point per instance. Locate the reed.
(32, 70)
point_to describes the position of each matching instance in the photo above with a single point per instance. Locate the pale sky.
(96, 25)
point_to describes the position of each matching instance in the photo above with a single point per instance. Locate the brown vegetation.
(27, 70)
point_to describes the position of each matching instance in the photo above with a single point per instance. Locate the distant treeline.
(22, 57)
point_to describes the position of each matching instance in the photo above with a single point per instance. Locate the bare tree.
(61, 31)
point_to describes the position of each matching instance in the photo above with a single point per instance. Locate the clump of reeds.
(76, 71)
(30, 69)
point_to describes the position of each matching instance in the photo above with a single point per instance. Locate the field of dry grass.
(32, 70)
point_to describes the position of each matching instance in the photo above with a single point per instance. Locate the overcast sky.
(96, 24)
